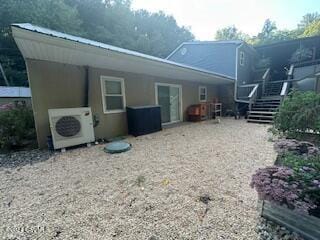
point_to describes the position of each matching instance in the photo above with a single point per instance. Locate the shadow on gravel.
(22, 158)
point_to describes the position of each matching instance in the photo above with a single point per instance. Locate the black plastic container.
(143, 120)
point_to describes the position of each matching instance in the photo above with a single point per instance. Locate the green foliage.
(308, 26)
(49, 13)
(16, 128)
(109, 21)
(140, 180)
(230, 33)
(306, 172)
(308, 19)
(312, 30)
(299, 112)
(297, 162)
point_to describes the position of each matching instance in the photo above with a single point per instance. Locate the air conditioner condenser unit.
(71, 126)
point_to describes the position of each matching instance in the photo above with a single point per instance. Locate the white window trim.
(103, 79)
(242, 58)
(206, 91)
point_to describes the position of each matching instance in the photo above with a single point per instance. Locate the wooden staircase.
(272, 89)
(264, 109)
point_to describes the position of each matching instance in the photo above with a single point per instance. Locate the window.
(113, 94)
(202, 94)
(184, 51)
(242, 58)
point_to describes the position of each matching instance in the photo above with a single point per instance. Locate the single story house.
(66, 71)
(15, 95)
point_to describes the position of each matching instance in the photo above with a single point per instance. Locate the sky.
(205, 17)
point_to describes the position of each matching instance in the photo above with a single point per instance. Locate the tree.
(158, 34)
(312, 29)
(230, 33)
(108, 21)
(270, 34)
(49, 13)
(267, 33)
(308, 19)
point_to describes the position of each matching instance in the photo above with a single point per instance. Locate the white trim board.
(103, 94)
(199, 93)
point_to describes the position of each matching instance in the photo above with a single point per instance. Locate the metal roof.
(16, 92)
(23, 44)
(216, 56)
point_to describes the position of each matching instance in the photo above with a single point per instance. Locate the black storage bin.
(143, 120)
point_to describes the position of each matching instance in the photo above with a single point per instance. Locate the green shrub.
(16, 128)
(299, 113)
(306, 173)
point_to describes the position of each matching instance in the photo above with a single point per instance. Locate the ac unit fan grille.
(68, 126)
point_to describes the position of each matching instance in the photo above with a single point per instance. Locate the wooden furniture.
(204, 111)
(198, 112)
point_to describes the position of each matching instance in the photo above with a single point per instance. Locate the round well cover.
(117, 147)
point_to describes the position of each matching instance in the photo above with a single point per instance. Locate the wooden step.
(266, 105)
(268, 100)
(259, 121)
(262, 112)
(261, 117)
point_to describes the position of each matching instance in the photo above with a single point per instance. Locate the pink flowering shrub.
(284, 186)
(7, 106)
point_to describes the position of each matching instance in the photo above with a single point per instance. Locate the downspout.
(95, 117)
(86, 87)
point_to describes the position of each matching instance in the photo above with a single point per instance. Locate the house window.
(113, 94)
(242, 58)
(202, 94)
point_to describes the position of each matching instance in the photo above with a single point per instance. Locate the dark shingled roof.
(216, 56)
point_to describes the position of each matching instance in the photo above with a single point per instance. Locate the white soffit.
(43, 44)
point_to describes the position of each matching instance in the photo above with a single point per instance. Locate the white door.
(169, 98)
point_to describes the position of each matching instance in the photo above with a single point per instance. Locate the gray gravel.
(268, 230)
(21, 158)
(188, 182)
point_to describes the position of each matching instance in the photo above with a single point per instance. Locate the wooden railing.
(253, 96)
(284, 89)
(265, 79)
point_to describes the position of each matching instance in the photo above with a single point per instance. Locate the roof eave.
(18, 29)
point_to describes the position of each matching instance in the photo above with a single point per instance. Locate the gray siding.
(217, 57)
(245, 74)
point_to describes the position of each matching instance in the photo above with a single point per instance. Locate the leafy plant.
(280, 185)
(295, 182)
(140, 180)
(300, 112)
(16, 127)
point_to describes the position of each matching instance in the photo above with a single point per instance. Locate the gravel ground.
(21, 158)
(270, 231)
(187, 182)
